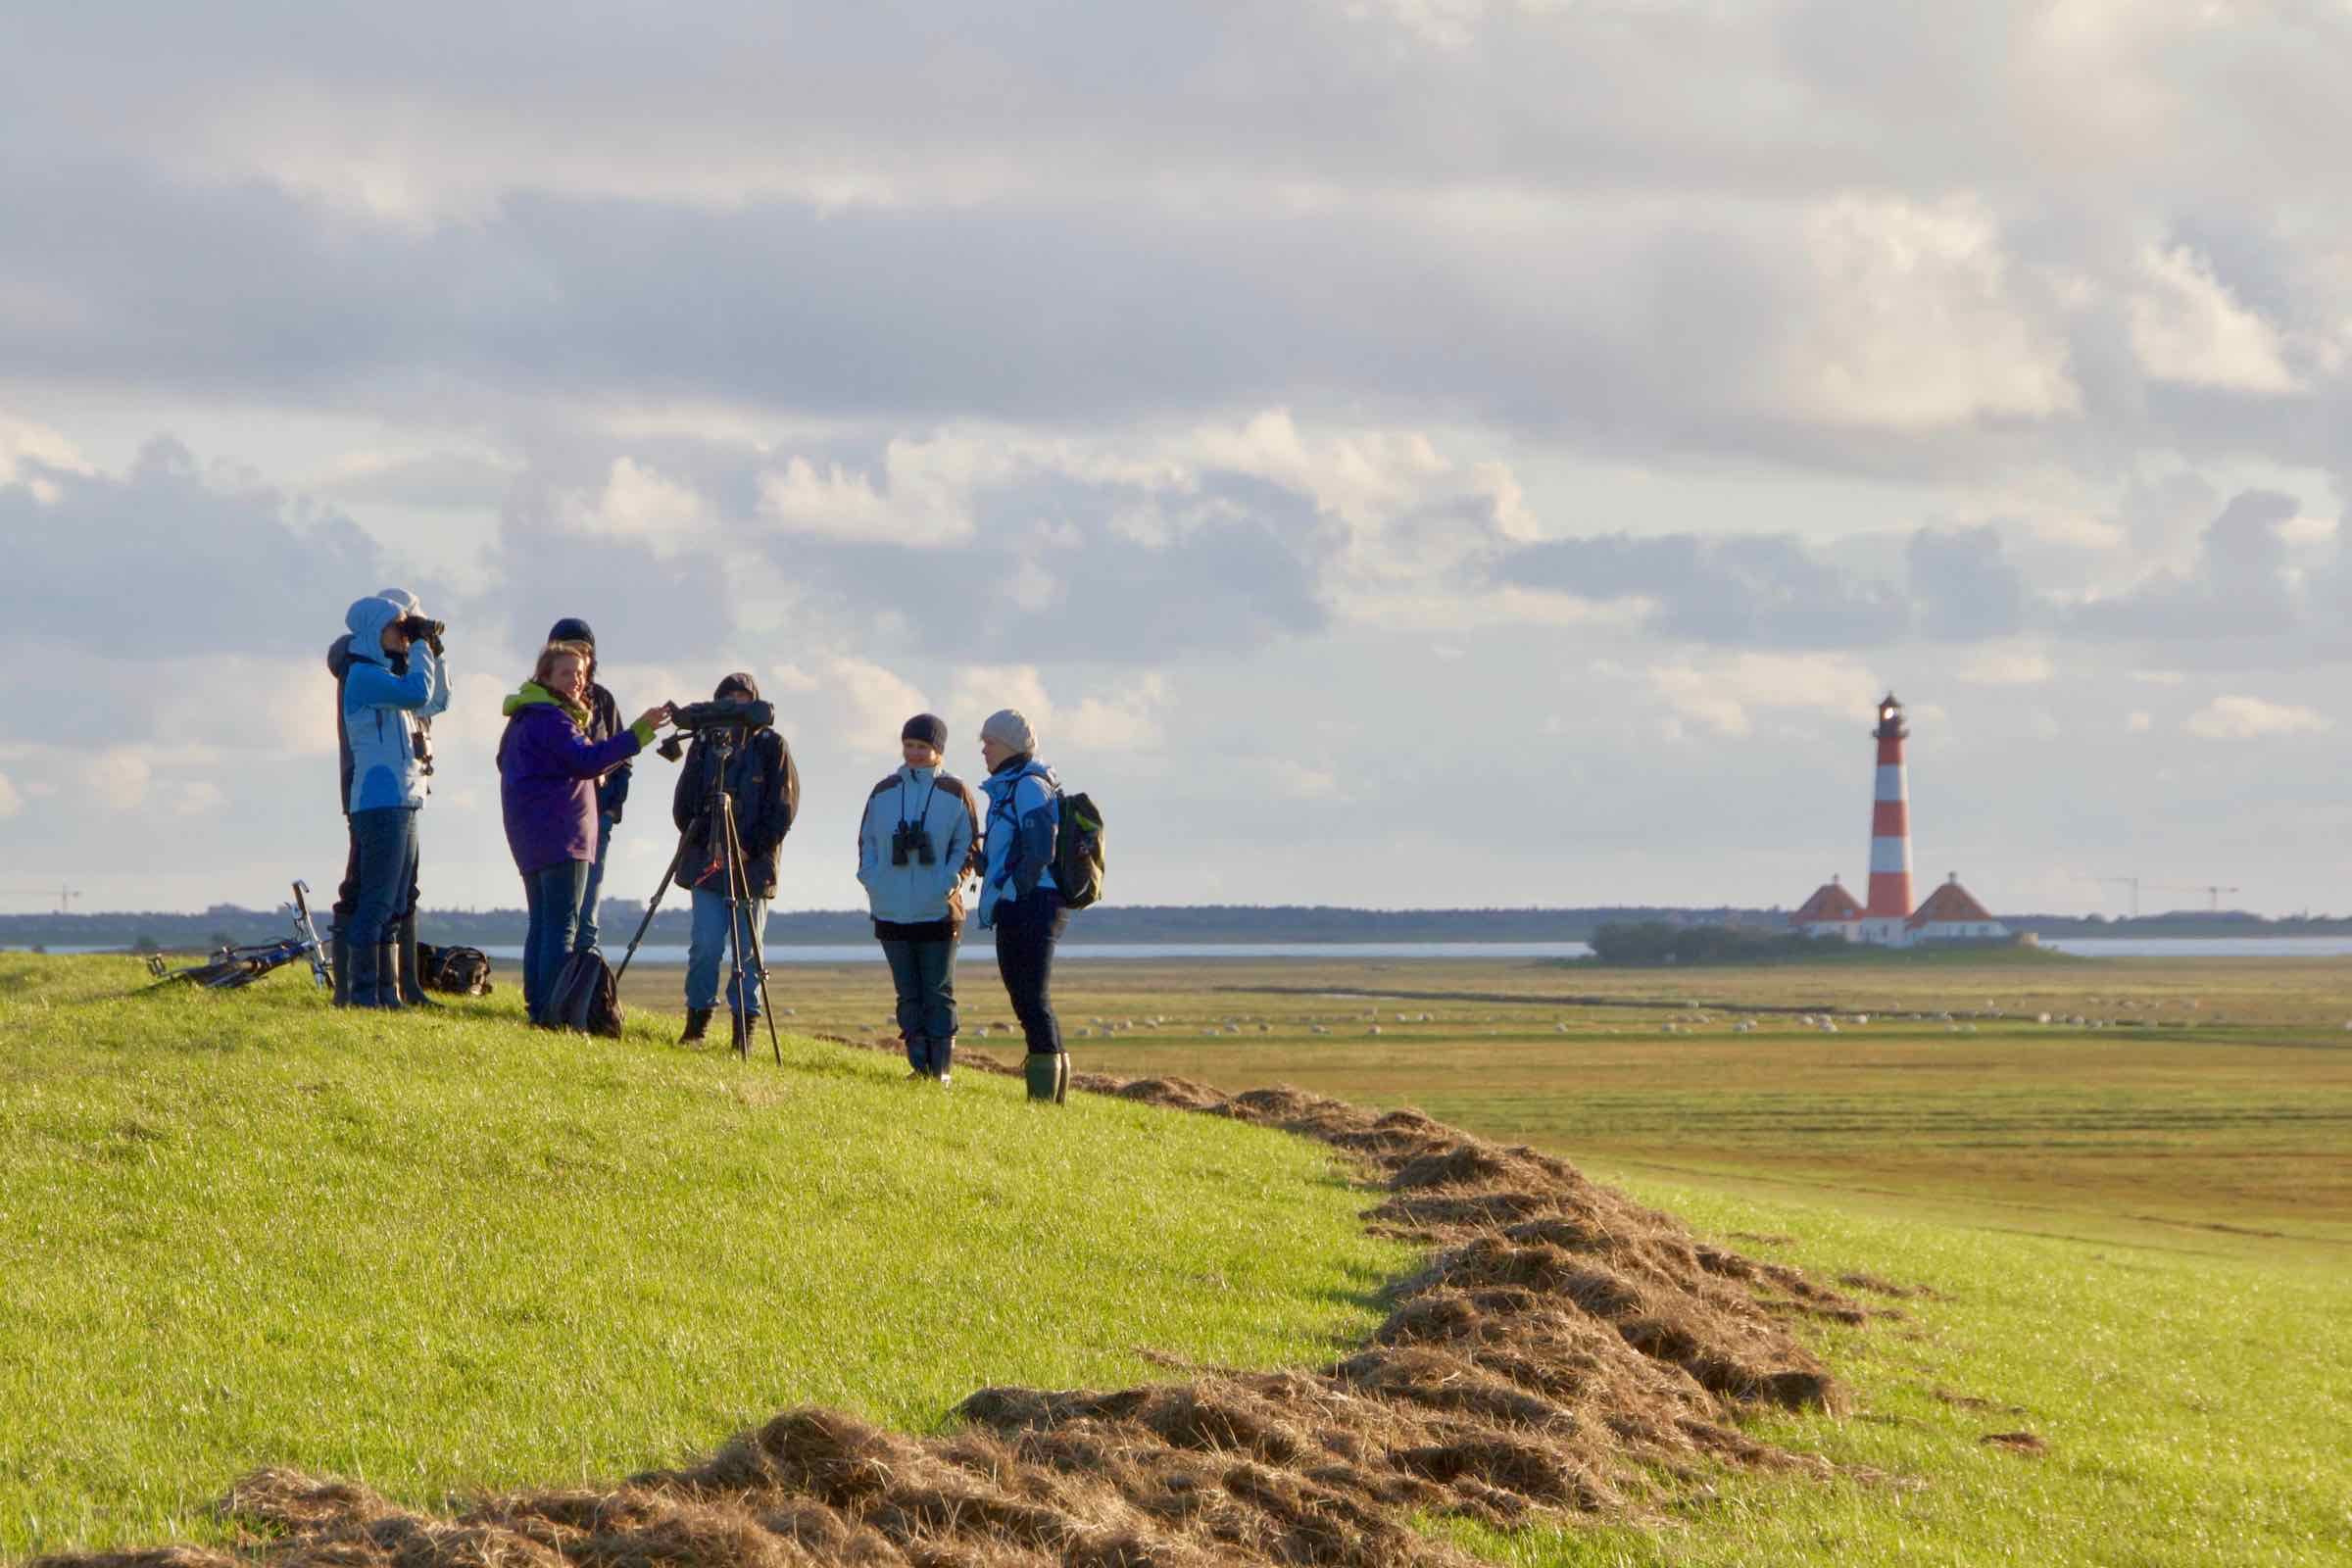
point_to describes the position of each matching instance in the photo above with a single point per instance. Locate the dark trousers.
(1026, 931)
(552, 895)
(386, 844)
(347, 896)
(924, 974)
(588, 933)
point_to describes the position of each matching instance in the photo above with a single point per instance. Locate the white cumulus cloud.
(2186, 326)
(2246, 718)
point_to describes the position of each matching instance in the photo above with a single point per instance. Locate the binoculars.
(910, 838)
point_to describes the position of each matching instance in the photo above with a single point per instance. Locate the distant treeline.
(1111, 923)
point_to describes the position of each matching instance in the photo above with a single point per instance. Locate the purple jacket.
(546, 772)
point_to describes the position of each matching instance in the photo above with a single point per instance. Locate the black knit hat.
(929, 728)
(572, 629)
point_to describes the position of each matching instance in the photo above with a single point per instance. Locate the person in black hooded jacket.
(611, 790)
(765, 789)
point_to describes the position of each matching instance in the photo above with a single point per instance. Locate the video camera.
(733, 713)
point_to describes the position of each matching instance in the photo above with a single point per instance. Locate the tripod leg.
(731, 851)
(651, 905)
(740, 883)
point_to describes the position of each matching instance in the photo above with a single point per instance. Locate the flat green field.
(2205, 1103)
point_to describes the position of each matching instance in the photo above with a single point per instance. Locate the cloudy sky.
(1401, 452)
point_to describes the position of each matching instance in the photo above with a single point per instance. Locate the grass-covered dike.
(444, 1253)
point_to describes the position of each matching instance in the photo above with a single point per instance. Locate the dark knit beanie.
(929, 728)
(572, 629)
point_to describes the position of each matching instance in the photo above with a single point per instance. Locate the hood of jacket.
(534, 695)
(338, 656)
(367, 619)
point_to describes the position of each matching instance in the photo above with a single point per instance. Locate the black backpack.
(584, 998)
(1078, 850)
(463, 972)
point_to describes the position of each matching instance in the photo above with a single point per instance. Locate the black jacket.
(604, 723)
(766, 788)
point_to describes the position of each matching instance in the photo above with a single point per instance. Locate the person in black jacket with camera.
(765, 789)
(611, 790)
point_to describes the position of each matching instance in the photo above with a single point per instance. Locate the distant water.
(2202, 947)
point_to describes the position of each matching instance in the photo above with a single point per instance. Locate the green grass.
(2198, 1410)
(453, 1254)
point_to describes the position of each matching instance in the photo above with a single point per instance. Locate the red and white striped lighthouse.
(1890, 832)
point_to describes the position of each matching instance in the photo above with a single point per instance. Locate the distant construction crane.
(2130, 882)
(64, 896)
(2213, 892)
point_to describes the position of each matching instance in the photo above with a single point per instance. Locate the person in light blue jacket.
(1018, 899)
(919, 839)
(380, 715)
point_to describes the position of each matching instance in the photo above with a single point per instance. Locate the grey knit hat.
(1007, 727)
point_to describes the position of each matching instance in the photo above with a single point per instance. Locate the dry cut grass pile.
(1561, 1349)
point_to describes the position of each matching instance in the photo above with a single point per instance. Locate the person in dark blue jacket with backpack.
(1018, 899)
(764, 785)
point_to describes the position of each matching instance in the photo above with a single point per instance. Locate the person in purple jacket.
(546, 772)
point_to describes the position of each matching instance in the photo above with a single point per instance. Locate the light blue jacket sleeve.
(438, 671)
(869, 848)
(370, 685)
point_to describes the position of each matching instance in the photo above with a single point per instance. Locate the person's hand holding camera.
(420, 630)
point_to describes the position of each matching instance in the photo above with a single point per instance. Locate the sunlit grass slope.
(2197, 1410)
(447, 1253)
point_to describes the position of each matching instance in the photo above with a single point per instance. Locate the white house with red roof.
(1951, 913)
(1830, 911)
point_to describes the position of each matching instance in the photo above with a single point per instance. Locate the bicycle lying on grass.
(233, 966)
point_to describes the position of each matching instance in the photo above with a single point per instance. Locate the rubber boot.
(1047, 1073)
(361, 990)
(943, 1058)
(741, 1040)
(339, 961)
(387, 977)
(918, 1054)
(698, 1024)
(412, 972)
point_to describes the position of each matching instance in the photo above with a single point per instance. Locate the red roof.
(1950, 902)
(1830, 903)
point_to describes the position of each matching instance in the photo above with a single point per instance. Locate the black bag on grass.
(462, 971)
(585, 997)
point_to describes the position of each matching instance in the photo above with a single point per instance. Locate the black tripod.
(719, 815)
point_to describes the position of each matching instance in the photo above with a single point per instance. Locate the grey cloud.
(1963, 587)
(165, 560)
(2237, 588)
(1765, 590)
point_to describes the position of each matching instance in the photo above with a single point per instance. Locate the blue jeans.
(384, 845)
(1026, 931)
(707, 953)
(588, 932)
(554, 898)
(924, 975)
